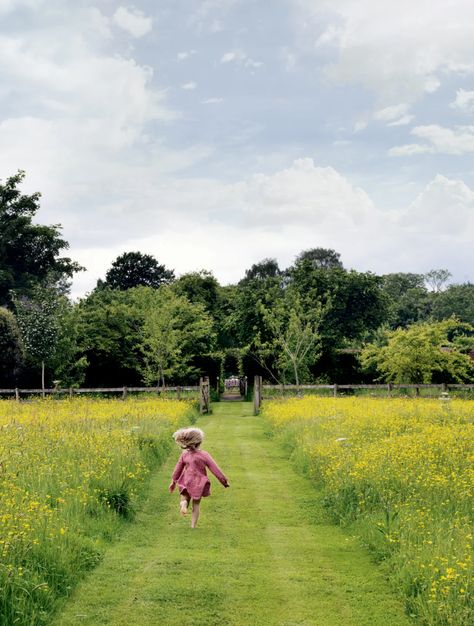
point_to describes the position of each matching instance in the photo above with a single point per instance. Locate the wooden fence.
(336, 389)
(123, 391)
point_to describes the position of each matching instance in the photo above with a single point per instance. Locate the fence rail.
(389, 386)
(85, 390)
(259, 388)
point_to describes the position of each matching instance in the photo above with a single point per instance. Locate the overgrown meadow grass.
(401, 473)
(70, 472)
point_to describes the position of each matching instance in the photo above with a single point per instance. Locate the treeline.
(313, 321)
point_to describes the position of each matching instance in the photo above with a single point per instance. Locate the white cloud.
(212, 101)
(464, 101)
(361, 125)
(133, 21)
(409, 149)
(398, 48)
(445, 206)
(281, 214)
(391, 112)
(403, 121)
(458, 140)
(182, 56)
(191, 86)
(229, 57)
(238, 56)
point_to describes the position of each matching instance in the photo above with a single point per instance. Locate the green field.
(263, 553)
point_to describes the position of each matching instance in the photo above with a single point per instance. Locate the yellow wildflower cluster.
(402, 471)
(66, 469)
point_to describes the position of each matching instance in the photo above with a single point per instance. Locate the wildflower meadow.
(71, 472)
(399, 473)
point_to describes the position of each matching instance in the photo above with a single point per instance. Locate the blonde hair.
(188, 438)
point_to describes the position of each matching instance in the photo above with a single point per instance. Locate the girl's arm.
(177, 473)
(216, 470)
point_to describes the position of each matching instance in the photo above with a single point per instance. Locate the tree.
(11, 349)
(408, 300)
(38, 318)
(267, 268)
(29, 253)
(199, 287)
(456, 300)
(421, 352)
(437, 279)
(295, 340)
(246, 323)
(351, 303)
(175, 332)
(109, 326)
(134, 269)
(68, 363)
(319, 258)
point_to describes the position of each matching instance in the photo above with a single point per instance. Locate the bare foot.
(183, 508)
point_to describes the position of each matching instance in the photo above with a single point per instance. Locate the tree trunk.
(42, 378)
(296, 373)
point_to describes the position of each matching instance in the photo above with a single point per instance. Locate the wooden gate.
(204, 395)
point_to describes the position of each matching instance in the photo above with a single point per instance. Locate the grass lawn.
(262, 555)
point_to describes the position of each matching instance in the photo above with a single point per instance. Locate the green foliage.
(11, 349)
(134, 269)
(109, 329)
(421, 352)
(408, 300)
(267, 268)
(319, 259)
(294, 339)
(29, 253)
(351, 303)
(175, 331)
(39, 320)
(456, 300)
(199, 288)
(437, 279)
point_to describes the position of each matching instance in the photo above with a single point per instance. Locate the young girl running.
(190, 471)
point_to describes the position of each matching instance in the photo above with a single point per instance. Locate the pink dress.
(190, 473)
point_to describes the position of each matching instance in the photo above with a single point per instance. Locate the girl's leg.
(195, 515)
(183, 504)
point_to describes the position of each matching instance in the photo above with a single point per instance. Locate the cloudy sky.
(214, 133)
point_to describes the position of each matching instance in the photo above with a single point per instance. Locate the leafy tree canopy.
(109, 332)
(175, 332)
(29, 253)
(134, 269)
(397, 284)
(199, 287)
(11, 349)
(437, 279)
(456, 300)
(319, 258)
(421, 353)
(267, 268)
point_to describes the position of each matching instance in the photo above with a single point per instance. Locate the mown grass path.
(261, 555)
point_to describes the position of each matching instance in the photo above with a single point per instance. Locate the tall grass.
(70, 472)
(401, 474)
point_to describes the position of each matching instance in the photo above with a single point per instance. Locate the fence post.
(389, 389)
(335, 390)
(444, 388)
(17, 394)
(70, 392)
(417, 391)
(124, 393)
(257, 394)
(204, 395)
(178, 392)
